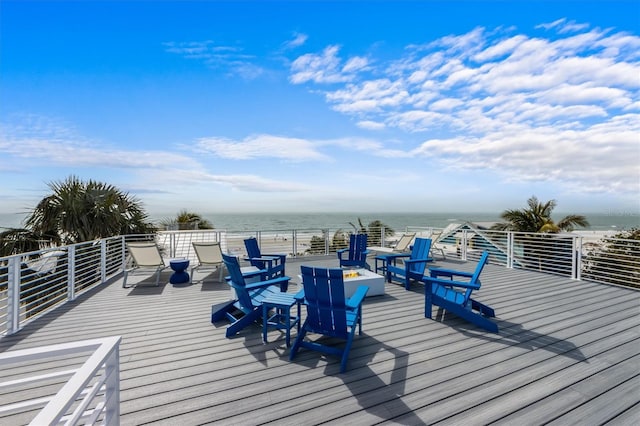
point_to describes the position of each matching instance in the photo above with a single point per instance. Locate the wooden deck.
(568, 352)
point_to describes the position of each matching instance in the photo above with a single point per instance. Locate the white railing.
(90, 393)
(32, 284)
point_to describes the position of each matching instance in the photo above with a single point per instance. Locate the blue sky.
(324, 106)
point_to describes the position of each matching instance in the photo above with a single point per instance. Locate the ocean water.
(397, 221)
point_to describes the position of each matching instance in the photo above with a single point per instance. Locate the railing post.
(112, 388)
(103, 261)
(295, 242)
(326, 242)
(510, 242)
(577, 258)
(13, 295)
(463, 245)
(123, 253)
(71, 273)
(172, 245)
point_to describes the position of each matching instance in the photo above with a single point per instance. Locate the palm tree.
(537, 218)
(188, 220)
(79, 211)
(20, 240)
(373, 231)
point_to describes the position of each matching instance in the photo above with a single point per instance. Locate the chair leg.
(428, 300)
(124, 280)
(246, 320)
(485, 310)
(468, 315)
(297, 342)
(345, 355)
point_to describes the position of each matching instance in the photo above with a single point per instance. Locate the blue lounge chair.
(356, 254)
(413, 265)
(328, 312)
(455, 295)
(248, 306)
(273, 263)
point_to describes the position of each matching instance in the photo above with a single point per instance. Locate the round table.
(179, 275)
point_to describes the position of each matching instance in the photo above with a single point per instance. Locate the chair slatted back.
(420, 250)
(475, 279)
(324, 297)
(253, 250)
(237, 281)
(357, 247)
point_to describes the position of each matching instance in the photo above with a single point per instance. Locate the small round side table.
(179, 267)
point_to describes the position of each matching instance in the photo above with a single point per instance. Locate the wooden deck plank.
(574, 395)
(176, 367)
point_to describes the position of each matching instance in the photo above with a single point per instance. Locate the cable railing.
(34, 283)
(89, 392)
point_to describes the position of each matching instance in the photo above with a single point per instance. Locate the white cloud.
(40, 141)
(231, 59)
(355, 64)
(323, 68)
(529, 108)
(261, 146)
(370, 125)
(298, 40)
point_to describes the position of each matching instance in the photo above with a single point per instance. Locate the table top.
(284, 299)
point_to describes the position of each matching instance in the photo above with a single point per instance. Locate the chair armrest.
(274, 281)
(428, 259)
(299, 296)
(250, 274)
(450, 283)
(262, 258)
(356, 299)
(436, 272)
(394, 256)
(276, 255)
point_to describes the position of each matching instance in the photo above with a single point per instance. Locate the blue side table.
(281, 318)
(179, 267)
(381, 258)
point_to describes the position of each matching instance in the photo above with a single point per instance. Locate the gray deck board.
(568, 351)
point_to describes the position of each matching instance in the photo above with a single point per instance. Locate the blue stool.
(179, 275)
(281, 317)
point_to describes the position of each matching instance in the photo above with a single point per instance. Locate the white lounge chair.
(145, 256)
(401, 246)
(209, 258)
(435, 246)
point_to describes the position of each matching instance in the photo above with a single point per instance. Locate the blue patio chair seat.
(328, 312)
(454, 295)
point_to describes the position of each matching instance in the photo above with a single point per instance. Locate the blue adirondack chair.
(247, 309)
(454, 295)
(413, 264)
(356, 254)
(273, 263)
(328, 312)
